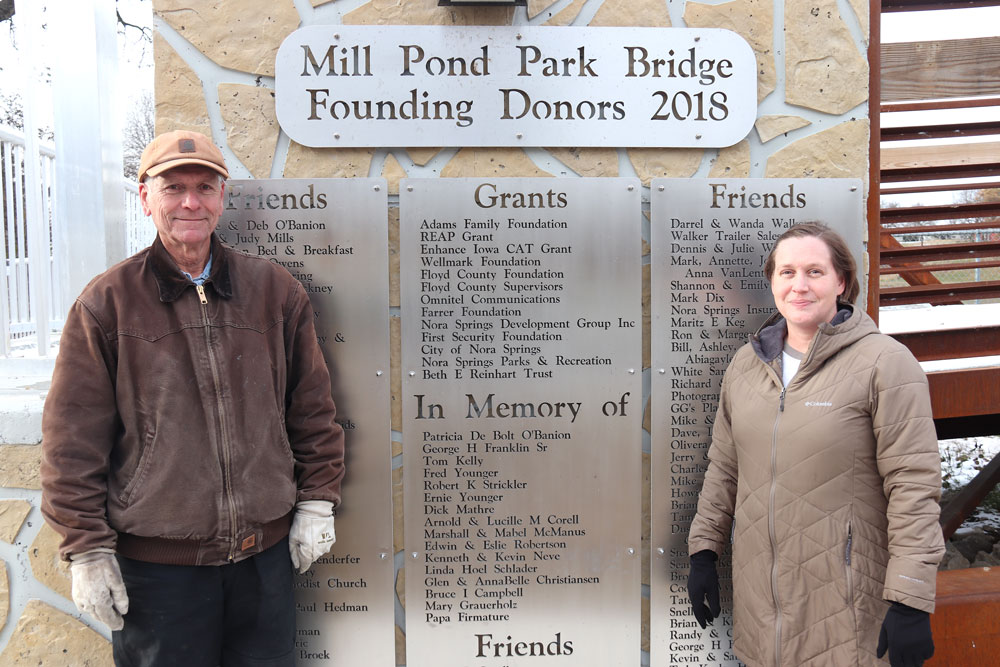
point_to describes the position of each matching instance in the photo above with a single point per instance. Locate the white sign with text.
(515, 86)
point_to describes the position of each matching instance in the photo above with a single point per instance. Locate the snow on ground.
(961, 460)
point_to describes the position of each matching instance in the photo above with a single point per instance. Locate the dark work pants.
(235, 615)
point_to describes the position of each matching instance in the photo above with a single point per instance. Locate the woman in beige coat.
(824, 471)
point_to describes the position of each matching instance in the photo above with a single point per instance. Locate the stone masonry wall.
(215, 74)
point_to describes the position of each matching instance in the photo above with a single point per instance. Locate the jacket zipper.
(850, 571)
(223, 427)
(771, 531)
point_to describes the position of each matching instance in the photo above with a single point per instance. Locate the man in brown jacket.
(190, 455)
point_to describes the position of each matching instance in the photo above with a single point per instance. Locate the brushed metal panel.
(331, 234)
(709, 240)
(522, 407)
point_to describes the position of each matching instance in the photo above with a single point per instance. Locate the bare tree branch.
(139, 131)
(147, 32)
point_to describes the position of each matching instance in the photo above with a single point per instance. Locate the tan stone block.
(823, 68)
(645, 623)
(650, 163)
(395, 373)
(566, 16)
(305, 162)
(398, 511)
(317, 3)
(392, 171)
(239, 34)
(481, 162)
(425, 12)
(629, 13)
(19, 466)
(840, 152)
(394, 259)
(422, 156)
(401, 587)
(646, 513)
(646, 314)
(647, 416)
(46, 636)
(733, 162)
(535, 7)
(251, 125)
(588, 161)
(768, 127)
(4, 594)
(860, 9)
(46, 565)
(753, 20)
(180, 101)
(400, 646)
(12, 516)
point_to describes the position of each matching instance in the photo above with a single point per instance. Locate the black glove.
(906, 633)
(703, 582)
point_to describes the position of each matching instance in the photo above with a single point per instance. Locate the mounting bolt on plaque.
(631, 551)
(383, 555)
(375, 188)
(662, 371)
(631, 371)
(413, 554)
(378, 373)
(412, 373)
(661, 551)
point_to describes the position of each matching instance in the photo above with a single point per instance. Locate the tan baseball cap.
(180, 147)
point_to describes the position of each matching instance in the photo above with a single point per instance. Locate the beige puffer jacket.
(833, 483)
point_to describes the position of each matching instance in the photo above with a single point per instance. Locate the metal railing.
(17, 309)
(18, 312)
(139, 232)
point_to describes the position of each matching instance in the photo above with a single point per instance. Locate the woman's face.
(805, 285)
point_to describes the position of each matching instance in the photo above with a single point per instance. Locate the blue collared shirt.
(200, 280)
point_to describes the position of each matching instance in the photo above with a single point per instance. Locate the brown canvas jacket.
(830, 488)
(182, 424)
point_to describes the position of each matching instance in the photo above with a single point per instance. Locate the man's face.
(185, 204)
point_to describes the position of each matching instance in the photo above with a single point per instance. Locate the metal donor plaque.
(355, 85)
(710, 238)
(522, 407)
(331, 235)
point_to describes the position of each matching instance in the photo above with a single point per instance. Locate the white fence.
(18, 310)
(19, 333)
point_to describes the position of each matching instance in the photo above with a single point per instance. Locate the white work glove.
(98, 588)
(312, 532)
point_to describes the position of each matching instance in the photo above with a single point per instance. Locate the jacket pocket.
(125, 497)
(282, 428)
